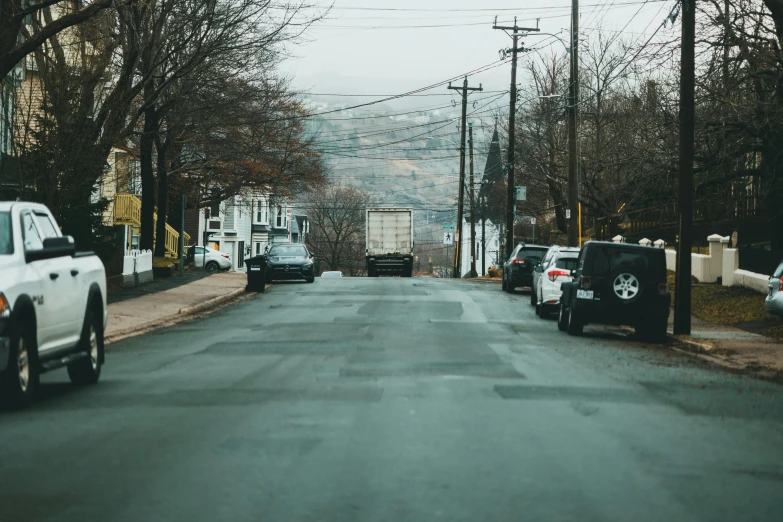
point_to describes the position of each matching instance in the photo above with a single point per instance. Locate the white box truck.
(389, 241)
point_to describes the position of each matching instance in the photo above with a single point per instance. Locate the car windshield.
(533, 254)
(288, 250)
(6, 239)
(567, 263)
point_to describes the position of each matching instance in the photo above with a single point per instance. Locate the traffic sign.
(532, 221)
(451, 228)
(448, 238)
(568, 213)
(521, 193)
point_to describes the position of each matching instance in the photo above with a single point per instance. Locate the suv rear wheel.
(575, 325)
(562, 318)
(652, 330)
(533, 297)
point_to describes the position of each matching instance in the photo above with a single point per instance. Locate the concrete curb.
(211, 303)
(690, 345)
(180, 316)
(701, 351)
(483, 280)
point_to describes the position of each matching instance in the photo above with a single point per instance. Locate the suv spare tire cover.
(626, 285)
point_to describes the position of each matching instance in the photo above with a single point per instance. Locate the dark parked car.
(619, 284)
(289, 261)
(518, 269)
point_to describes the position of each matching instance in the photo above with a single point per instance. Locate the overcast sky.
(380, 46)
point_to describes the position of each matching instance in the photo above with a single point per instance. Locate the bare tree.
(337, 215)
(22, 30)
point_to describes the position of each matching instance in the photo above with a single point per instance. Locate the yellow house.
(121, 185)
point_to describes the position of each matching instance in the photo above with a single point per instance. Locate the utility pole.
(573, 100)
(483, 239)
(511, 203)
(464, 90)
(682, 281)
(182, 236)
(473, 272)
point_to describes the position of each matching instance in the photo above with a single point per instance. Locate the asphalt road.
(394, 400)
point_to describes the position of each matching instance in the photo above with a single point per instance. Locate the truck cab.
(52, 303)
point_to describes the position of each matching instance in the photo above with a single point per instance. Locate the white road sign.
(568, 213)
(532, 221)
(521, 193)
(448, 238)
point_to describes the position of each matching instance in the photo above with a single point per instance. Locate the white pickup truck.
(52, 303)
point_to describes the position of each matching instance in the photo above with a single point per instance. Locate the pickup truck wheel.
(562, 319)
(212, 266)
(20, 380)
(87, 370)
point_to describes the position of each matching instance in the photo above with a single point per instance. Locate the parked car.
(518, 269)
(553, 271)
(52, 303)
(774, 301)
(619, 284)
(332, 274)
(289, 261)
(215, 259)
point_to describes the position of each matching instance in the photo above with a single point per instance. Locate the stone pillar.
(660, 243)
(618, 239)
(730, 264)
(716, 256)
(645, 242)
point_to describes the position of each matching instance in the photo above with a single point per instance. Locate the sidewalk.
(732, 347)
(134, 315)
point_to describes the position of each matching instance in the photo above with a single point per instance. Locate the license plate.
(255, 268)
(584, 294)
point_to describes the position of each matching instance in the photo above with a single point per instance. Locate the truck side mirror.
(52, 247)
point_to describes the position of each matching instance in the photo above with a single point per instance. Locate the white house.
(491, 235)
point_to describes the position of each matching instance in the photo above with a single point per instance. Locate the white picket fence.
(722, 262)
(137, 267)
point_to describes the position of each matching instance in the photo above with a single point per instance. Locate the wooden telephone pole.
(473, 272)
(511, 203)
(464, 90)
(682, 278)
(573, 102)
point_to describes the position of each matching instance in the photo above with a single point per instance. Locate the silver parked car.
(774, 300)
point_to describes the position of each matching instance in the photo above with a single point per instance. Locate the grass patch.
(732, 306)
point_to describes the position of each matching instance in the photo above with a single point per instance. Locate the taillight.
(226, 256)
(518, 261)
(554, 274)
(662, 289)
(780, 289)
(586, 282)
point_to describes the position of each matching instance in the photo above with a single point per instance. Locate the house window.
(258, 249)
(280, 217)
(261, 211)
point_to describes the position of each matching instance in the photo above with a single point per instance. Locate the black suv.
(620, 284)
(518, 269)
